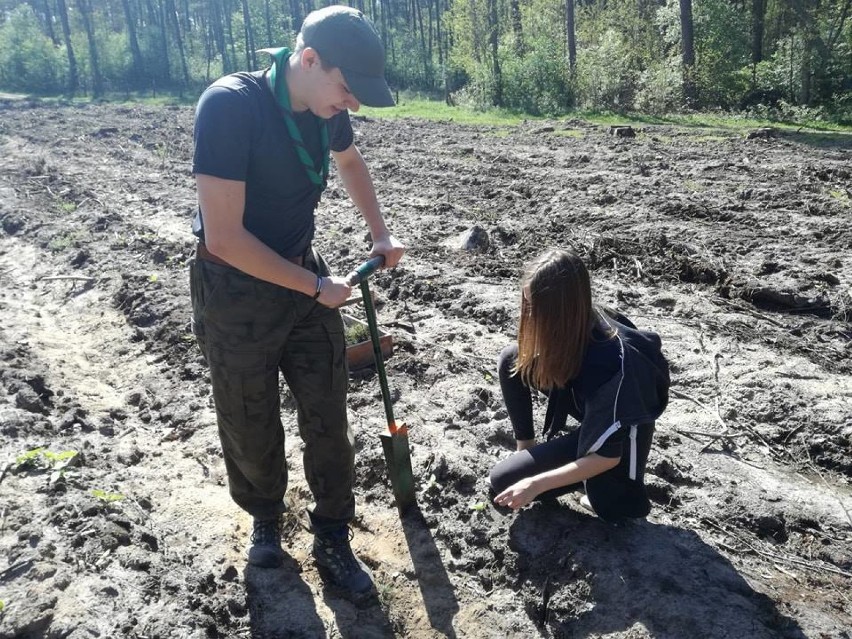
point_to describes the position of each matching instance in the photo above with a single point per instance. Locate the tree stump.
(762, 134)
(621, 131)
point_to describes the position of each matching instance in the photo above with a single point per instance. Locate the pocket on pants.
(203, 284)
(318, 360)
(196, 295)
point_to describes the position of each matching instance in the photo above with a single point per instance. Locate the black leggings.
(516, 395)
(612, 494)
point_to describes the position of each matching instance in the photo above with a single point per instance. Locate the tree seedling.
(357, 333)
(106, 497)
(39, 458)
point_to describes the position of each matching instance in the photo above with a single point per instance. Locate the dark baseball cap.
(346, 39)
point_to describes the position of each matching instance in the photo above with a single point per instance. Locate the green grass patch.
(717, 123)
(145, 98)
(716, 120)
(569, 133)
(438, 111)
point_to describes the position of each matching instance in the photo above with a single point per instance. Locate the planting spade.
(395, 440)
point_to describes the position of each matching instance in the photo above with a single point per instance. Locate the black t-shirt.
(240, 134)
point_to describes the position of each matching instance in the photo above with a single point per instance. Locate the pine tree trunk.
(296, 12)
(135, 52)
(268, 17)
(48, 22)
(251, 56)
(688, 52)
(494, 46)
(172, 14)
(571, 35)
(806, 70)
(226, 10)
(218, 34)
(517, 29)
(73, 76)
(87, 18)
(758, 20)
(164, 42)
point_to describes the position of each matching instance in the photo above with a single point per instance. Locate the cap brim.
(369, 90)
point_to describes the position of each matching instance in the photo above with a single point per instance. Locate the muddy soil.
(735, 250)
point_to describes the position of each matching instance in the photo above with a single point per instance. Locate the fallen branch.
(699, 403)
(830, 488)
(810, 565)
(406, 327)
(750, 311)
(748, 429)
(24, 563)
(78, 278)
(702, 433)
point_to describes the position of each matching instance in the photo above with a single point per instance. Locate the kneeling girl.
(595, 366)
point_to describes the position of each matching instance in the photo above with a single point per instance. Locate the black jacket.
(637, 394)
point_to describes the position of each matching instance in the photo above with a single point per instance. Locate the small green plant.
(163, 152)
(840, 196)
(153, 277)
(41, 459)
(432, 483)
(67, 206)
(478, 506)
(63, 241)
(693, 186)
(28, 459)
(386, 594)
(357, 333)
(62, 456)
(106, 497)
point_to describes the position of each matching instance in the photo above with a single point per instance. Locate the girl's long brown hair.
(557, 317)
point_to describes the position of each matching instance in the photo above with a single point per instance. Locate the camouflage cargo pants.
(248, 330)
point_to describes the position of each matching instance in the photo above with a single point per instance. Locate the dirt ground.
(736, 250)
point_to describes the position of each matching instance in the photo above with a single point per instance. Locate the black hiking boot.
(332, 552)
(265, 550)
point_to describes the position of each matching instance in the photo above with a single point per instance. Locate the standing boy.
(262, 299)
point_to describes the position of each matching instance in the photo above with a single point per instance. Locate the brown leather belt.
(202, 253)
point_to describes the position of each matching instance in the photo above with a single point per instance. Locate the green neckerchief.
(317, 174)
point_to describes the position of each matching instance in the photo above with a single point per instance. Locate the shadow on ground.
(588, 578)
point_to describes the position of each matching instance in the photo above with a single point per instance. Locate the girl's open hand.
(518, 494)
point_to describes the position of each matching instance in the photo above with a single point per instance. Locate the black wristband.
(319, 287)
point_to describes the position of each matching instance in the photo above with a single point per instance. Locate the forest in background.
(780, 59)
